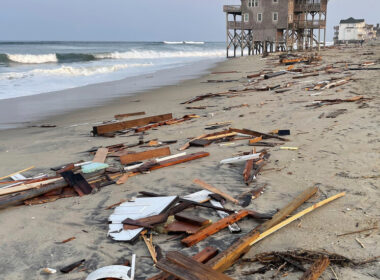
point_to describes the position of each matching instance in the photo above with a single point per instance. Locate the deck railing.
(307, 7)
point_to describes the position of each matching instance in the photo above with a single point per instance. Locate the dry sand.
(335, 154)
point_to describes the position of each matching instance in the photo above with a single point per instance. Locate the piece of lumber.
(203, 256)
(25, 187)
(18, 172)
(214, 228)
(160, 152)
(316, 270)
(72, 266)
(215, 190)
(123, 179)
(296, 216)
(78, 182)
(275, 74)
(178, 160)
(358, 231)
(257, 134)
(240, 158)
(191, 219)
(187, 145)
(177, 271)
(150, 246)
(121, 116)
(113, 127)
(182, 227)
(228, 257)
(224, 135)
(191, 265)
(100, 155)
(255, 140)
(233, 228)
(247, 171)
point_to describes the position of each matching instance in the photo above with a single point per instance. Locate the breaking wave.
(83, 57)
(71, 71)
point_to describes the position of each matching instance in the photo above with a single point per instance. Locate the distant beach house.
(259, 26)
(353, 31)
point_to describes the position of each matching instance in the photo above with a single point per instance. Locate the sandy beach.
(335, 154)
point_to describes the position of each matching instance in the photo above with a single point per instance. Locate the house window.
(275, 1)
(260, 17)
(246, 17)
(251, 3)
(256, 3)
(275, 16)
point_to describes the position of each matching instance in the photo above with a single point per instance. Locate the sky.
(136, 20)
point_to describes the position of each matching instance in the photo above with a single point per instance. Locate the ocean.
(30, 68)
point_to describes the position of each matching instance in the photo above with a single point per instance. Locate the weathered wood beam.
(160, 152)
(113, 127)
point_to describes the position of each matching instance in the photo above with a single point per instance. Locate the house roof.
(351, 20)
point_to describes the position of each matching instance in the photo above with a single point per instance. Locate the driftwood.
(316, 270)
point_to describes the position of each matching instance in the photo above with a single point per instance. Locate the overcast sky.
(137, 20)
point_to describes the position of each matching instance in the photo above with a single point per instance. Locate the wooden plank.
(191, 219)
(296, 216)
(203, 256)
(160, 152)
(100, 155)
(182, 227)
(228, 257)
(25, 187)
(121, 116)
(187, 145)
(18, 172)
(123, 179)
(224, 135)
(247, 171)
(215, 190)
(194, 266)
(179, 160)
(78, 182)
(316, 270)
(177, 271)
(113, 127)
(214, 228)
(257, 134)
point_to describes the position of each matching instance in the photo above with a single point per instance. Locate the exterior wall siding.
(266, 30)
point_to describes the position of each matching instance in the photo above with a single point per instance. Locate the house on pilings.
(263, 26)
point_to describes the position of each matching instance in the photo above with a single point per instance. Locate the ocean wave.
(134, 54)
(85, 57)
(173, 42)
(71, 71)
(194, 43)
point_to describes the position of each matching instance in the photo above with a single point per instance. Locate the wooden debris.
(182, 227)
(275, 74)
(118, 126)
(203, 256)
(160, 152)
(316, 270)
(149, 244)
(240, 158)
(116, 204)
(227, 258)
(72, 266)
(214, 228)
(191, 219)
(122, 116)
(358, 231)
(187, 145)
(123, 179)
(18, 172)
(101, 155)
(78, 182)
(215, 190)
(25, 187)
(68, 240)
(186, 268)
(257, 134)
